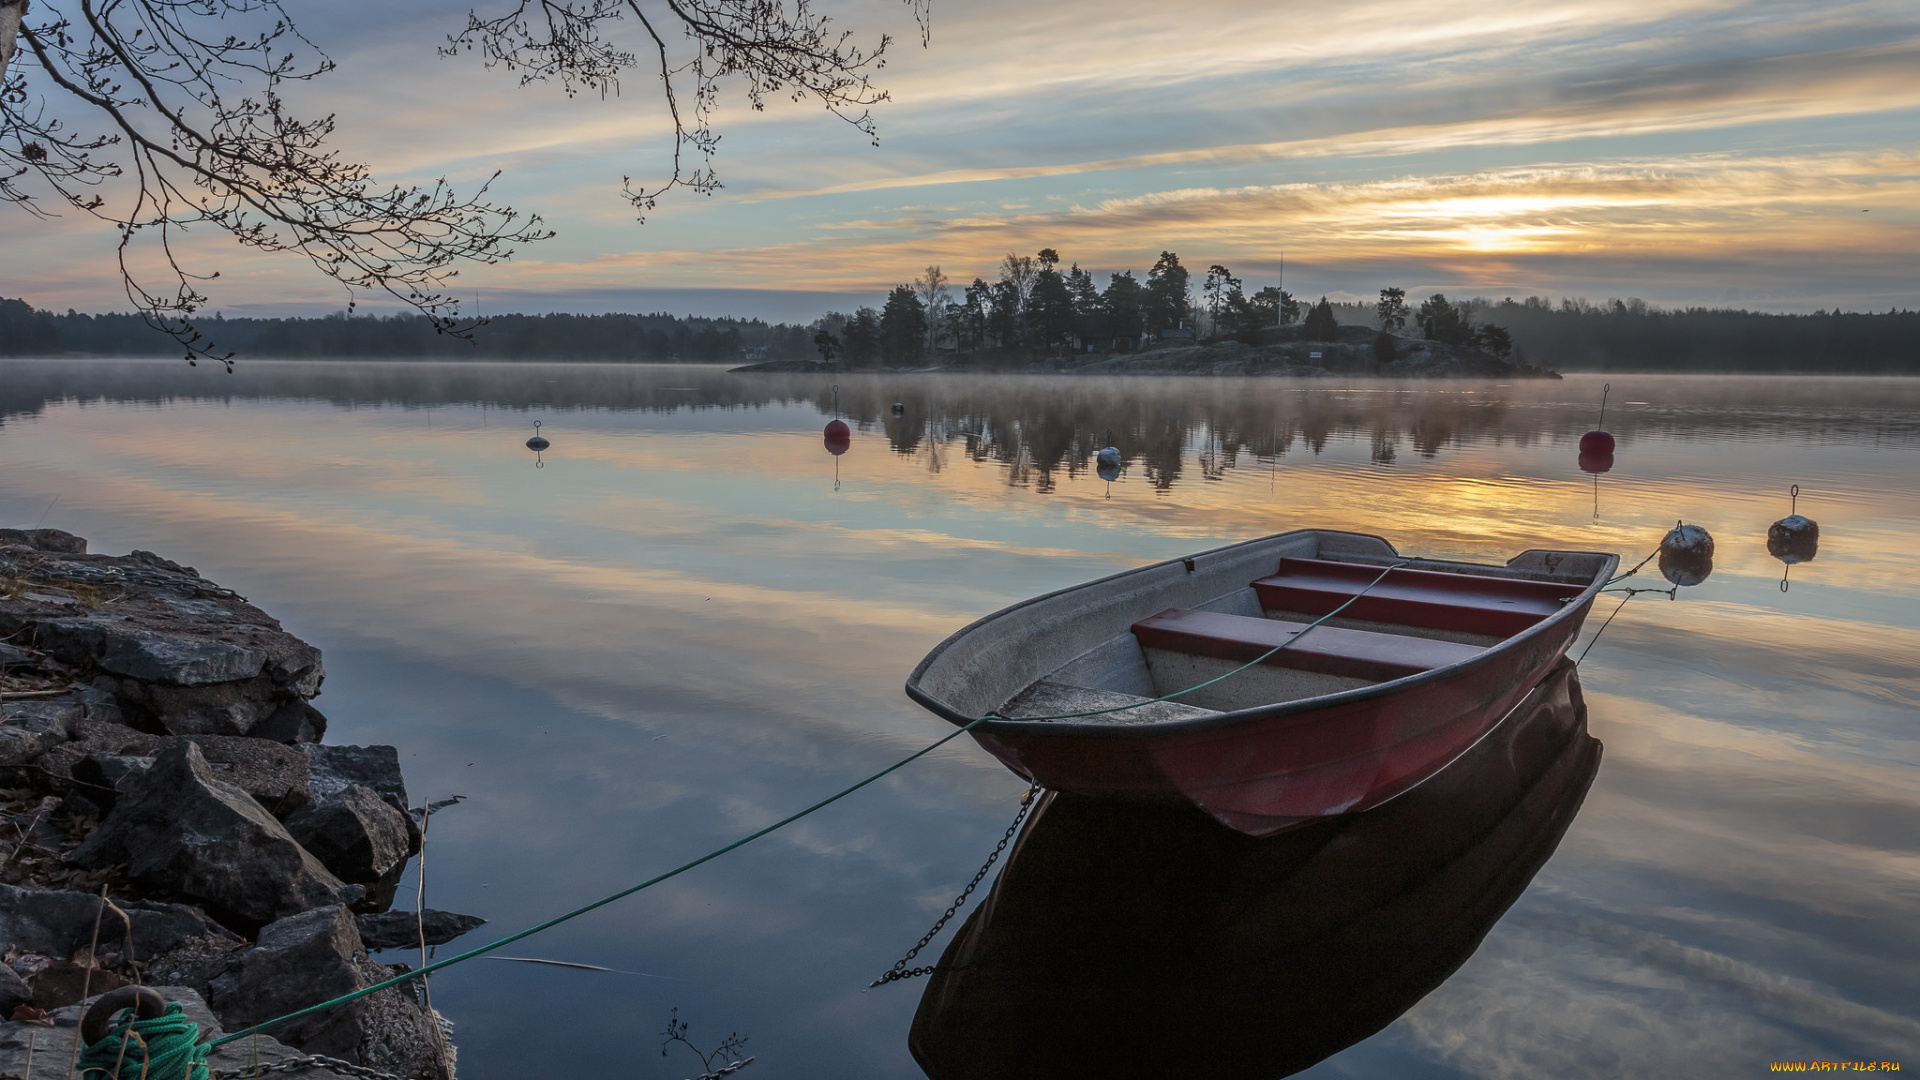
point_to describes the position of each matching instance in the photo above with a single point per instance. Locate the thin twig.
(420, 923)
(86, 981)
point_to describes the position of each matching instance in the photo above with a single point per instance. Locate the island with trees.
(1039, 317)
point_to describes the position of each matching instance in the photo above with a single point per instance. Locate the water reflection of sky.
(678, 631)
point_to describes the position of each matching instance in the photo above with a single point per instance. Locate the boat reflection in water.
(1135, 940)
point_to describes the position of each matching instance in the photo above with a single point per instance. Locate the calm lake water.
(693, 620)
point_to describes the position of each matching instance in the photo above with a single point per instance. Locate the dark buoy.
(1598, 443)
(839, 437)
(1686, 555)
(1596, 463)
(899, 408)
(1109, 458)
(1107, 472)
(537, 444)
(1793, 539)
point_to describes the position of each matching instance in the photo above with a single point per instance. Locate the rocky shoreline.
(158, 742)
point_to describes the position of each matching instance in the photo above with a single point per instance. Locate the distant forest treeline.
(1570, 335)
(26, 332)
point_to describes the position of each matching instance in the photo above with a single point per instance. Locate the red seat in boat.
(1469, 603)
(1329, 650)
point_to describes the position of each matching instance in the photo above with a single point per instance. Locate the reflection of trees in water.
(1037, 429)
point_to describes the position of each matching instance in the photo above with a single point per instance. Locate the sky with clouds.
(1724, 152)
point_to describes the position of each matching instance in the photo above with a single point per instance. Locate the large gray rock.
(152, 656)
(57, 922)
(178, 652)
(356, 833)
(52, 540)
(180, 829)
(401, 929)
(52, 1046)
(299, 961)
(308, 958)
(332, 769)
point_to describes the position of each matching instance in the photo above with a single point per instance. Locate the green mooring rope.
(167, 1047)
(781, 824)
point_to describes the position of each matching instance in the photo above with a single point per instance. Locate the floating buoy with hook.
(839, 437)
(1109, 458)
(1686, 554)
(537, 444)
(1598, 443)
(1793, 539)
(899, 408)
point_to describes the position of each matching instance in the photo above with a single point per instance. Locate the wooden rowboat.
(1424, 659)
(1119, 937)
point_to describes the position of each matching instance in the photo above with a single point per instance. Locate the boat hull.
(1263, 775)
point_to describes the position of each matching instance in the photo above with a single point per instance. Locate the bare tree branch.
(205, 139)
(771, 47)
(193, 130)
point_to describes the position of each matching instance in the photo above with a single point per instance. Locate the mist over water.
(679, 630)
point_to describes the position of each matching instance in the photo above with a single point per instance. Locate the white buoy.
(1794, 539)
(1686, 555)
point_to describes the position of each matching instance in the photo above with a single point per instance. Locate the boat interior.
(1122, 642)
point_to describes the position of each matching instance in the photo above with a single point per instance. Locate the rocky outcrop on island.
(158, 742)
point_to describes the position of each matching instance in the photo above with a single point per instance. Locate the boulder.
(57, 922)
(401, 930)
(226, 708)
(52, 540)
(308, 958)
(152, 656)
(179, 828)
(299, 961)
(178, 652)
(357, 834)
(332, 768)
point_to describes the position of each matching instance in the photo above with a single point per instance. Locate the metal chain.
(311, 1061)
(900, 970)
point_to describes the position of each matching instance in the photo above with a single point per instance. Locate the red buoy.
(1597, 463)
(839, 437)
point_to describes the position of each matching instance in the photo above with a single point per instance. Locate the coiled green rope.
(167, 1047)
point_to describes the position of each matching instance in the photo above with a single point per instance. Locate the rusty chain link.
(900, 970)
